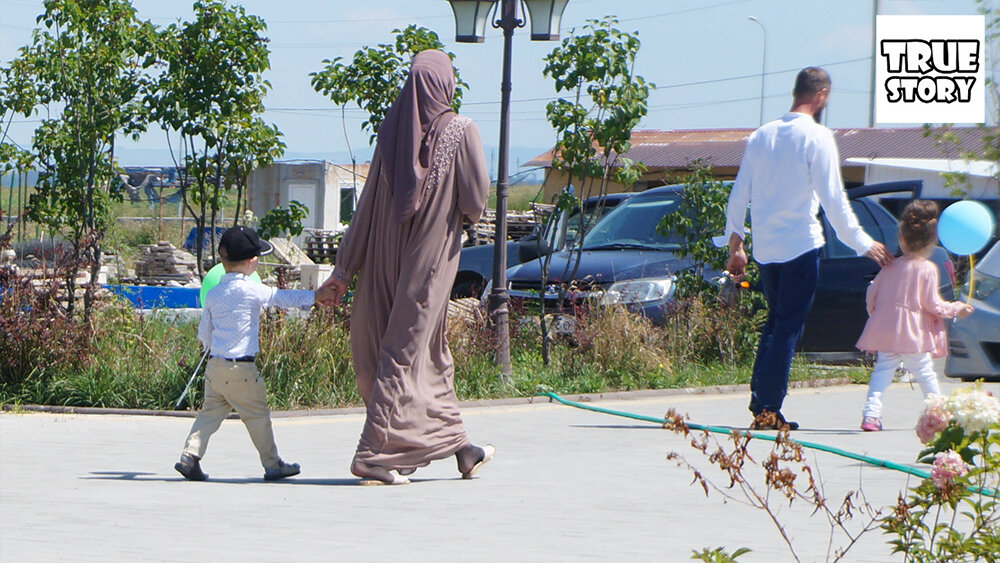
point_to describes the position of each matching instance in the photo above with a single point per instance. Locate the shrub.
(704, 332)
(962, 434)
(37, 335)
(306, 360)
(617, 346)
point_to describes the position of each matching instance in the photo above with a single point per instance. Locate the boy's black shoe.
(190, 468)
(768, 420)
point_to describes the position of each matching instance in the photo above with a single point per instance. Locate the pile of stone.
(163, 263)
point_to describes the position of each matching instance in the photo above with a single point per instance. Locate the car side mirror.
(533, 249)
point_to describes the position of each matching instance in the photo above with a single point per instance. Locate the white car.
(974, 342)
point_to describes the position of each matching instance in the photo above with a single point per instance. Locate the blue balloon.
(965, 227)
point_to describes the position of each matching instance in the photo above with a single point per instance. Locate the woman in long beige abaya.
(427, 176)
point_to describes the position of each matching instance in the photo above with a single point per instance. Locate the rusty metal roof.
(724, 147)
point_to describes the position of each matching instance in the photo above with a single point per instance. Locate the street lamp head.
(470, 19)
(545, 15)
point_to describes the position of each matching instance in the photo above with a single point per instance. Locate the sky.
(704, 56)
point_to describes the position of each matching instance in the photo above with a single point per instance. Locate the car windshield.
(990, 264)
(633, 225)
(564, 232)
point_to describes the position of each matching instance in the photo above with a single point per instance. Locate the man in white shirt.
(790, 168)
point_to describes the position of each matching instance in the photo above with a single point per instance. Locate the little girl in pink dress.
(905, 312)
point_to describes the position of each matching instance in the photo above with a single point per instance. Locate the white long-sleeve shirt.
(230, 317)
(790, 167)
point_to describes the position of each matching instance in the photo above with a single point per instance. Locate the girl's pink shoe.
(871, 424)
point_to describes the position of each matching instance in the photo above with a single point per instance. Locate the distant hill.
(156, 157)
(6, 178)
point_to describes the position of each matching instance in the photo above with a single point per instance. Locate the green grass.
(130, 362)
(519, 197)
(135, 363)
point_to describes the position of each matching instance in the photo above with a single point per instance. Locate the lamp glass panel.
(470, 19)
(546, 16)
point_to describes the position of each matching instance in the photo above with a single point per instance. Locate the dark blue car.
(624, 260)
(475, 264)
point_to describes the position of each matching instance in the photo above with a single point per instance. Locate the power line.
(684, 11)
(757, 75)
(658, 88)
(362, 20)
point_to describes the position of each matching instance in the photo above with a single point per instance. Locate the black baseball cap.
(241, 243)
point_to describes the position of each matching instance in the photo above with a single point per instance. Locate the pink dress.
(905, 310)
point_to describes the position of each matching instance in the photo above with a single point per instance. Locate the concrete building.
(328, 190)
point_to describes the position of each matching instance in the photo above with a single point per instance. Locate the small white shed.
(328, 190)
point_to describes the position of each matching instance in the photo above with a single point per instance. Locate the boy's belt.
(240, 359)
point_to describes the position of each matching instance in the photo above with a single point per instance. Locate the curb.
(481, 403)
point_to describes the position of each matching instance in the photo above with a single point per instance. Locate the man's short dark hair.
(809, 81)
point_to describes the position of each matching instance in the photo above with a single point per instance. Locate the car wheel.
(467, 286)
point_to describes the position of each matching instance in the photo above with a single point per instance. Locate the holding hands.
(331, 292)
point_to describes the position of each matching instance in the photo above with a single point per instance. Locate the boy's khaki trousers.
(238, 385)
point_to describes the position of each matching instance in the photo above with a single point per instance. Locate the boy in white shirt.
(229, 327)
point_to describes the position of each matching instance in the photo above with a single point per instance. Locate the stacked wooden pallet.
(321, 246)
(466, 309)
(519, 225)
(162, 262)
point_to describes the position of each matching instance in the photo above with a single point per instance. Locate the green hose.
(723, 430)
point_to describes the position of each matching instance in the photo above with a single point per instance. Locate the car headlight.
(638, 291)
(985, 285)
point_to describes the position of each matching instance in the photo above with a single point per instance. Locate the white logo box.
(930, 69)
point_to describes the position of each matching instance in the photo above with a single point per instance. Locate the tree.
(280, 220)
(700, 215)
(81, 72)
(210, 92)
(597, 68)
(376, 74)
(733, 316)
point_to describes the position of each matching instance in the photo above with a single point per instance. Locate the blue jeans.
(789, 288)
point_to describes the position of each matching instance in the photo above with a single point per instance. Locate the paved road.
(566, 484)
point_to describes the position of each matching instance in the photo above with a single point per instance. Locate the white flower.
(973, 409)
(935, 401)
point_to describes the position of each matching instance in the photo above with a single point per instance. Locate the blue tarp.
(158, 297)
(189, 242)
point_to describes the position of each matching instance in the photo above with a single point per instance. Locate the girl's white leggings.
(920, 365)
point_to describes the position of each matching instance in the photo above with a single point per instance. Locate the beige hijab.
(412, 126)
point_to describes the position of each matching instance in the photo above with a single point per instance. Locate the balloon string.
(972, 279)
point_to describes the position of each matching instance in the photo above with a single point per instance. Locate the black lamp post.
(470, 27)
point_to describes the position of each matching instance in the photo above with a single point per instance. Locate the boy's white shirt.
(230, 318)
